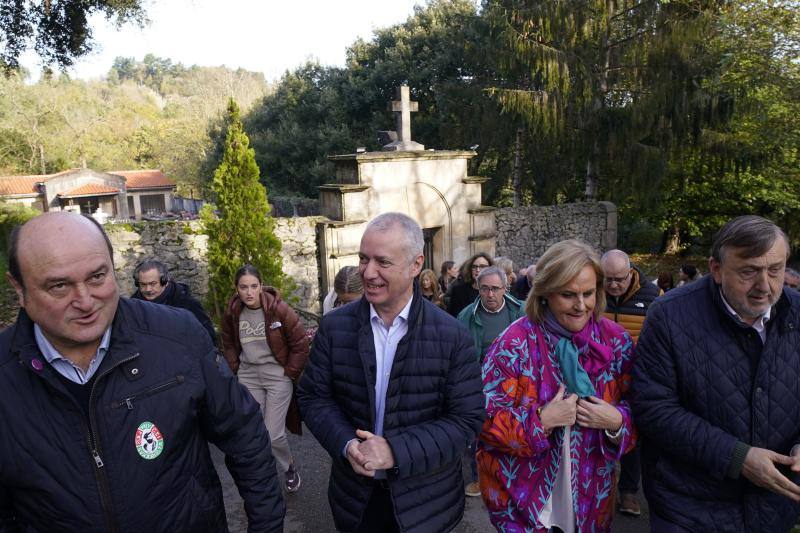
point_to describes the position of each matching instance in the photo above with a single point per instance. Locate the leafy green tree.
(750, 162)
(582, 76)
(242, 231)
(58, 31)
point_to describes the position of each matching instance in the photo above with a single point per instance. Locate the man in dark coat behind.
(716, 394)
(109, 404)
(153, 284)
(393, 393)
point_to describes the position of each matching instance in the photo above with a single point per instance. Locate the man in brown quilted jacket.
(629, 295)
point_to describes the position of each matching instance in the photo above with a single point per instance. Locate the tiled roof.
(136, 179)
(19, 184)
(90, 189)
(144, 179)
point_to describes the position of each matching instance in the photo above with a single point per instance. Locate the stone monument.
(431, 186)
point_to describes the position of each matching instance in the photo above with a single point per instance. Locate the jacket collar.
(636, 283)
(122, 349)
(415, 314)
(783, 313)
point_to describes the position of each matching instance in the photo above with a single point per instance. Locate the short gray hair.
(616, 254)
(415, 242)
(493, 271)
(752, 234)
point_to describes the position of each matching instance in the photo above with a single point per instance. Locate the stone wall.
(524, 233)
(182, 247)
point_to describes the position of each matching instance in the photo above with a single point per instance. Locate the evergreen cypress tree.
(241, 230)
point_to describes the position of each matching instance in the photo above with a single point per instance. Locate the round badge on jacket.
(149, 441)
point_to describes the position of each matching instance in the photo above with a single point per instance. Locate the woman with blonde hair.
(557, 424)
(429, 287)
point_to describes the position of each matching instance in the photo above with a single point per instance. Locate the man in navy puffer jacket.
(393, 393)
(716, 392)
(108, 404)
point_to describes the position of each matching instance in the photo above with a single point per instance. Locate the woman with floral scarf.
(557, 424)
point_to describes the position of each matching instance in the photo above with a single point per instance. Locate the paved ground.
(308, 511)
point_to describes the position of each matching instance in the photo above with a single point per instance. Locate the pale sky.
(260, 35)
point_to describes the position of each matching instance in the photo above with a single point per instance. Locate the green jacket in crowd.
(469, 317)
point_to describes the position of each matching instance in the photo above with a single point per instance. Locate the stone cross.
(402, 108)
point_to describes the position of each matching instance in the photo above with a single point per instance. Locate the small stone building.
(119, 194)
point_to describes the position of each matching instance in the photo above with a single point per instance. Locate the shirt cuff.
(344, 450)
(737, 460)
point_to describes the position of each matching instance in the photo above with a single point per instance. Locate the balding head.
(43, 222)
(617, 271)
(61, 266)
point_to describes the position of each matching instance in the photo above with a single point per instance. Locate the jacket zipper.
(94, 446)
(128, 402)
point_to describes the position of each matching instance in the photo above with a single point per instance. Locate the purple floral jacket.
(517, 461)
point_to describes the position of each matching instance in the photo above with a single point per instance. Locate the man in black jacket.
(109, 403)
(715, 391)
(393, 392)
(154, 285)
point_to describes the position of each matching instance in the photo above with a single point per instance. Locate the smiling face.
(574, 303)
(68, 285)
(249, 290)
(751, 285)
(387, 270)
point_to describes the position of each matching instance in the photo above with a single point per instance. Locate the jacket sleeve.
(616, 393)
(657, 407)
(320, 410)
(428, 446)
(229, 342)
(513, 426)
(231, 419)
(294, 334)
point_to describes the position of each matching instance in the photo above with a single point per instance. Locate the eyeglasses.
(486, 289)
(478, 267)
(609, 280)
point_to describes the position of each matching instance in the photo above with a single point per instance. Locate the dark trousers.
(379, 514)
(630, 472)
(659, 525)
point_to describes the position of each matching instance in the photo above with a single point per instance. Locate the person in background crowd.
(687, 274)
(464, 290)
(791, 278)
(449, 273)
(347, 287)
(110, 403)
(153, 284)
(554, 383)
(714, 391)
(392, 392)
(507, 265)
(524, 283)
(665, 282)
(486, 318)
(265, 345)
(628, 297)
(429, 288)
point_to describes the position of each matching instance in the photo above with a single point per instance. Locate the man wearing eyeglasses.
(628, 297)
(486, 318)
(715, 391)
